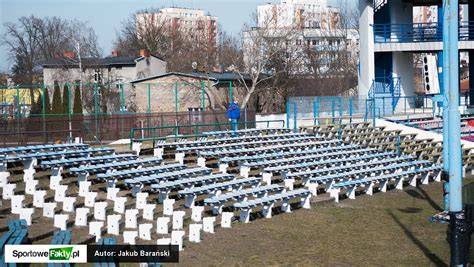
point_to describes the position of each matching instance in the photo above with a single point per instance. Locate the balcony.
(418, 32)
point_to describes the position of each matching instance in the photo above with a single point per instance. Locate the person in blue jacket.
(233, 114)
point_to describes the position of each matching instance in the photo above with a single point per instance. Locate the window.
(314, 42)
(119, 84)
(298, 42)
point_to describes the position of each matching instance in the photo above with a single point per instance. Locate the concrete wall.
(148, 67)
(267, 117)
(366, 41)
(403, 68)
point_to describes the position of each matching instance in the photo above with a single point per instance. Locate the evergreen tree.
(36, 106)
(65, 102)
(57, 106)
(77, 107)
(47, 102)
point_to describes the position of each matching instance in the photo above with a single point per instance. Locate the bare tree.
(185, 49)
(331, 56)
(83, 41)
(22, 42)
(270, 54)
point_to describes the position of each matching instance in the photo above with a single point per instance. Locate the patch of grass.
(390, 228)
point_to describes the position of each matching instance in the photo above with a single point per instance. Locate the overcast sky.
(105, 16)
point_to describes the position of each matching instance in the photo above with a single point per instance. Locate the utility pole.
(459, 230)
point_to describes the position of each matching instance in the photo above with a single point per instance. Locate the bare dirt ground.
(387, 229)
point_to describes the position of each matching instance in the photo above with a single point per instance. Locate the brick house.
(182, 91)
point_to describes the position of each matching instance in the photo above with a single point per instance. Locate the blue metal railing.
(385, 85)
(418, 32)
(396, 92)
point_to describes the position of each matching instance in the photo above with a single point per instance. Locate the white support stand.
(48, 210)
(196, 214)
(413, 181)
(141, 200)
(178, 217)
(399, 184)
(313, 187)
(226, 220)
(30, 186)
(137, 146)
(60, 193)
(131, 218)
(17, 203)
(113, 223)
(144, 231)
(29, 169)
(99, 211)
(119, 204)
(208, 224)
(335, 194)
(328, 185)
(351, 192)
(289, 183)
(158, 152)
(60, 221)
(8, 191)
(244, 171)
(437, 177)
(168, 206)
(163, 241)
(305, 202)
(223, 167)
(195, 232)
(84, 188)
(38, 198)
(4, 174)
(95, 229)
(162, 225)
(189, 200)
(81, 216)
(4, 178)
(201, 162)
(425, 178)
(26, 213)
(68, 204)
(90, 199)
(112, 193)
(130, 237)
(267, 178)
(266, 211)
(177, 239)
(148, 211)
(285, 205)
(179, 157)
(369, 189)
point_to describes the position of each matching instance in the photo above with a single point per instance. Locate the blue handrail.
(418, 32)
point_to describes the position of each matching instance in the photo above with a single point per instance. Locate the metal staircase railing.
(395, 92)
(383, 86)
